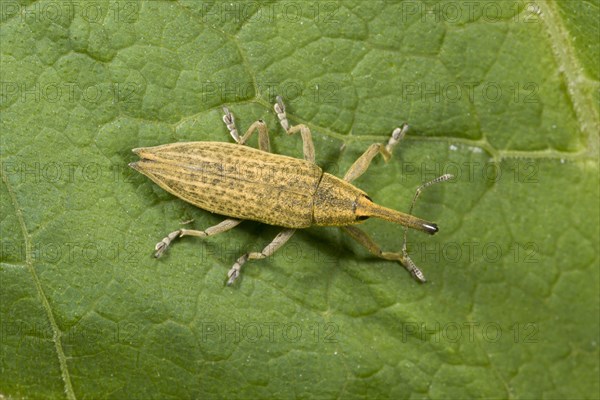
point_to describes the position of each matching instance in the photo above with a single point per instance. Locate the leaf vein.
(56, 333)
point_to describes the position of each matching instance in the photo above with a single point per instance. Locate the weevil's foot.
(228, 117)
(397, 136)
(233, 273)
(160, 248)
(279, 108)
(163, 245)
(413, 269)
(418, 275)
(229, 121)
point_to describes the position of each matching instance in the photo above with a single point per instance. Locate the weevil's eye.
(362, 217)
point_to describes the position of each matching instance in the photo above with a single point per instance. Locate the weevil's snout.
(431, 228)
(365, 208)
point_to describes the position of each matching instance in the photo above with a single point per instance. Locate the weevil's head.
(335, 202)
(338, 203)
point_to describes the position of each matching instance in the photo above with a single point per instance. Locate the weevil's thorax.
(335, 202)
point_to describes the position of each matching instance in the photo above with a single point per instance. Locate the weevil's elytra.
(244, 183)
(237, 181)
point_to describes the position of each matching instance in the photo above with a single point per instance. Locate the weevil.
(244, 183)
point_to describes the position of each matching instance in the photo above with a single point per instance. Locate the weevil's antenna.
(418, 192)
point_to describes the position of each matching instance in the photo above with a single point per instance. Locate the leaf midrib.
(564, 53)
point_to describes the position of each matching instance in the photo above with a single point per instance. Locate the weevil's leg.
(362, 163)
(271, 248)
(307, 144)
(263, 135)
(213, 230)
(263, 132)
(361, 237)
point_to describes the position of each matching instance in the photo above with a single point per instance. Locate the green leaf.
(504, 95)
